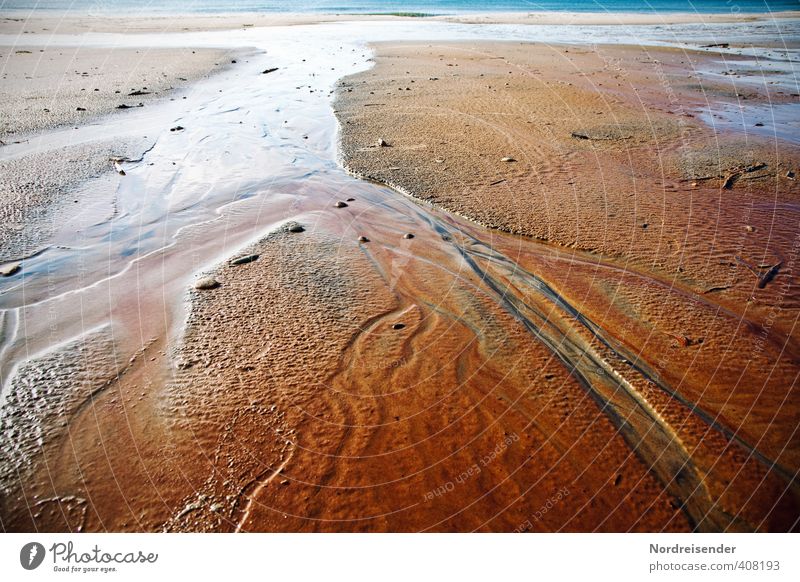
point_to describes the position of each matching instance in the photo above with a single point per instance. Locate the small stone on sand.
(382, 143)
(408, 235)
(340, 204)
(244, 260)
(10, 268)
(177, 128)
(295, 227)
(206, 283)
(363, 239)
(507, 159)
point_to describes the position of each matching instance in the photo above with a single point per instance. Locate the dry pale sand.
(55, 87)
(45, 88)
(570, 341)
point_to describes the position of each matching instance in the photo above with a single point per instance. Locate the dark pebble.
(244, 260)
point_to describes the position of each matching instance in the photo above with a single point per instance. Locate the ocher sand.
(603, 154)
(608, 155)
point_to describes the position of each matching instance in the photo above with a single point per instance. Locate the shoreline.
(67, 22)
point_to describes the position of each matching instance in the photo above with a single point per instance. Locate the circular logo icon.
(31, 555)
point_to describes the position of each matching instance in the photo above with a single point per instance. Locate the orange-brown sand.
(600, 150)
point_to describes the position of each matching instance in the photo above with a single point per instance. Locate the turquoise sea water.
(420, 6)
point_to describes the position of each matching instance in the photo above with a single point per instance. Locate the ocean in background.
(397, 6)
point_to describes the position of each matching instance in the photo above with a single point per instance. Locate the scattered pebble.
(10, 268)
(382, 143)
(267, 71)
(408, 235)
(206, 283)
(363, 239)
(749, 228)
(398, 326)
(244, 260)
(507, 159)
(341, 204)
(295, 227)
(177, 128)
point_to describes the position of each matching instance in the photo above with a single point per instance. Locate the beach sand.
(554, 323)
(48, 88)
(600, 150)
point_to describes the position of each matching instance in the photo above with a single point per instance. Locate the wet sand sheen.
(456, 380)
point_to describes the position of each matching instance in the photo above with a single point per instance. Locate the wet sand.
(601, 151)
(530, 358)
(56, 87)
